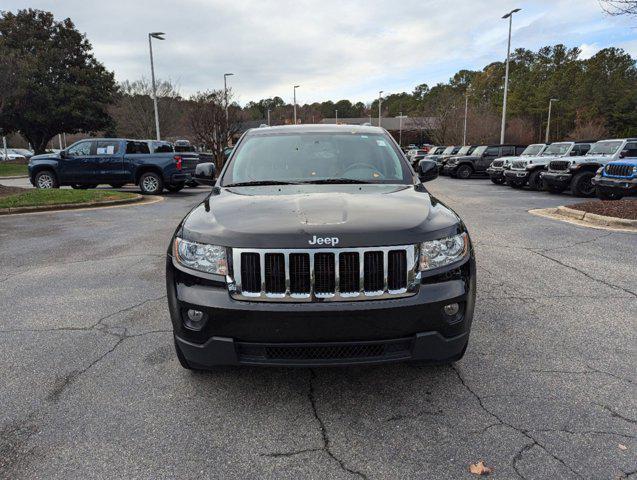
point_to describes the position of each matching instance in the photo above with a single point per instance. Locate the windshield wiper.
(335, 180)
(260, 183)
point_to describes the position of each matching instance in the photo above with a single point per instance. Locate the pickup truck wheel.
(581, 185)
(464, 172)
(498, 181)
(516, 185)
(46, 179)
(175, 188)
(606, 194)
(535, 182)
(151, 184)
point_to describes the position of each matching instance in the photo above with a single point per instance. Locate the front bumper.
(450, 169)
(495, 172)
(627, 185)
(517, 176)
(555, 179)
(323, 333)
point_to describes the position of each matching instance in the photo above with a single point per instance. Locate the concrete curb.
(586, 219)
(70, 206)
(13, 177)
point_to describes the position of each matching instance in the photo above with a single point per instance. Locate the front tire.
(46, 179)
(498, 181)
(151, 183)
(535, 181)
(581, 185)
(606, 194)
(464, 172)
(516, 185)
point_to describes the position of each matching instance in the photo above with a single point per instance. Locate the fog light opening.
(194, 319)
(452, 309)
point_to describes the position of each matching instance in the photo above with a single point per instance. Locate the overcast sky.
(333, 49)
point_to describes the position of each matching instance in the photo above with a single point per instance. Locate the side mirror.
(427, 170)
(64, 154)
(623, 154)
(573, 153)
(205, 173)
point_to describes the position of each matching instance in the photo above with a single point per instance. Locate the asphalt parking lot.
(92, 389)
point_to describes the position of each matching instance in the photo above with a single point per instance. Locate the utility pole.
(295, 87)
(400, 130)
(158, 36)
(225, 93)
(506, 74)
(4, 146)
(64, 139)
(336, 119)
(268, 117)
(60, 140)
(380, 99)
(466, 110)
(548, 121)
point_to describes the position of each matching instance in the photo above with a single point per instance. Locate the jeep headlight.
(201, 256)
(438, 253)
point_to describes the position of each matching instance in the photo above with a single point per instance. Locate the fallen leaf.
(480, 468)
(623, 447)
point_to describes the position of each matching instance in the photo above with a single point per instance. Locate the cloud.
(333, 49)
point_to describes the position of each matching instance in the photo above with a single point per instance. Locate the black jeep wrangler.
(480, 160)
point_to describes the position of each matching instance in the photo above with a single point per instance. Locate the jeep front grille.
(323, 274)
(518, 164)
(559, 165)
(619, 170)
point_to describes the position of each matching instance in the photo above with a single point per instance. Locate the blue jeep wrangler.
(616, 179)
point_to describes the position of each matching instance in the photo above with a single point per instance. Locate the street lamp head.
(157, 35)
(228, 74)
(297, 86)
(512, 12)
(554, 100)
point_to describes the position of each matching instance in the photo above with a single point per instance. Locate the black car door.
(490, 154)
(76, 165)
(109, 160)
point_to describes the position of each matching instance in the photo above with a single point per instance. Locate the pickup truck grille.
(619, 170)
(323, 274)
(497, 163)
(518, 164)
(559, 165)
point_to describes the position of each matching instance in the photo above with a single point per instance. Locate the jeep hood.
(289, 216)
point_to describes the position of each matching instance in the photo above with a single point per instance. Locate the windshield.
(604, 148)
(556, 149)
(533, 150)
(479, 150)
(464, 150)
(317, 158)
(448, 151)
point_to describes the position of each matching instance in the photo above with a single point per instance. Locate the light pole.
(400, 129)
(268, 117)
(466, 110)
(158, 36)
(225, 93)
(336, 119)
(548, 121)
(380, 99)
(295, 87)
(506, 74)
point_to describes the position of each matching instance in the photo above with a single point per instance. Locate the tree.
(619, 7)
(60, 86)
(207, 118)
(134, 111)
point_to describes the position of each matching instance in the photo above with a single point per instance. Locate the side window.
(137, 147)
(491, 152)
(507, 151)
(519, 150)
(632, 149)
(107, 147)
(142, 147)
(80, 149)
(582, 148)
(131, 147)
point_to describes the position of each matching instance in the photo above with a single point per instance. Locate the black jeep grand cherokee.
(319, 245)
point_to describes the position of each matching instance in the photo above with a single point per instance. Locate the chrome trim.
(413, 277)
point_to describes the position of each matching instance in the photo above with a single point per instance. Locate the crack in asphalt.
(578, 243)
(523, 432)
(291, 453)
(580, 432)
(324, 434)
(615, 414)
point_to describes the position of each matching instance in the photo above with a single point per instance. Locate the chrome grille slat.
(340, 274)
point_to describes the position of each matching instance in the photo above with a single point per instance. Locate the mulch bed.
(625, 208)
(6, 191)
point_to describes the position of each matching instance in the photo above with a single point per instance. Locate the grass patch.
(35, 197)
(12, 169)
